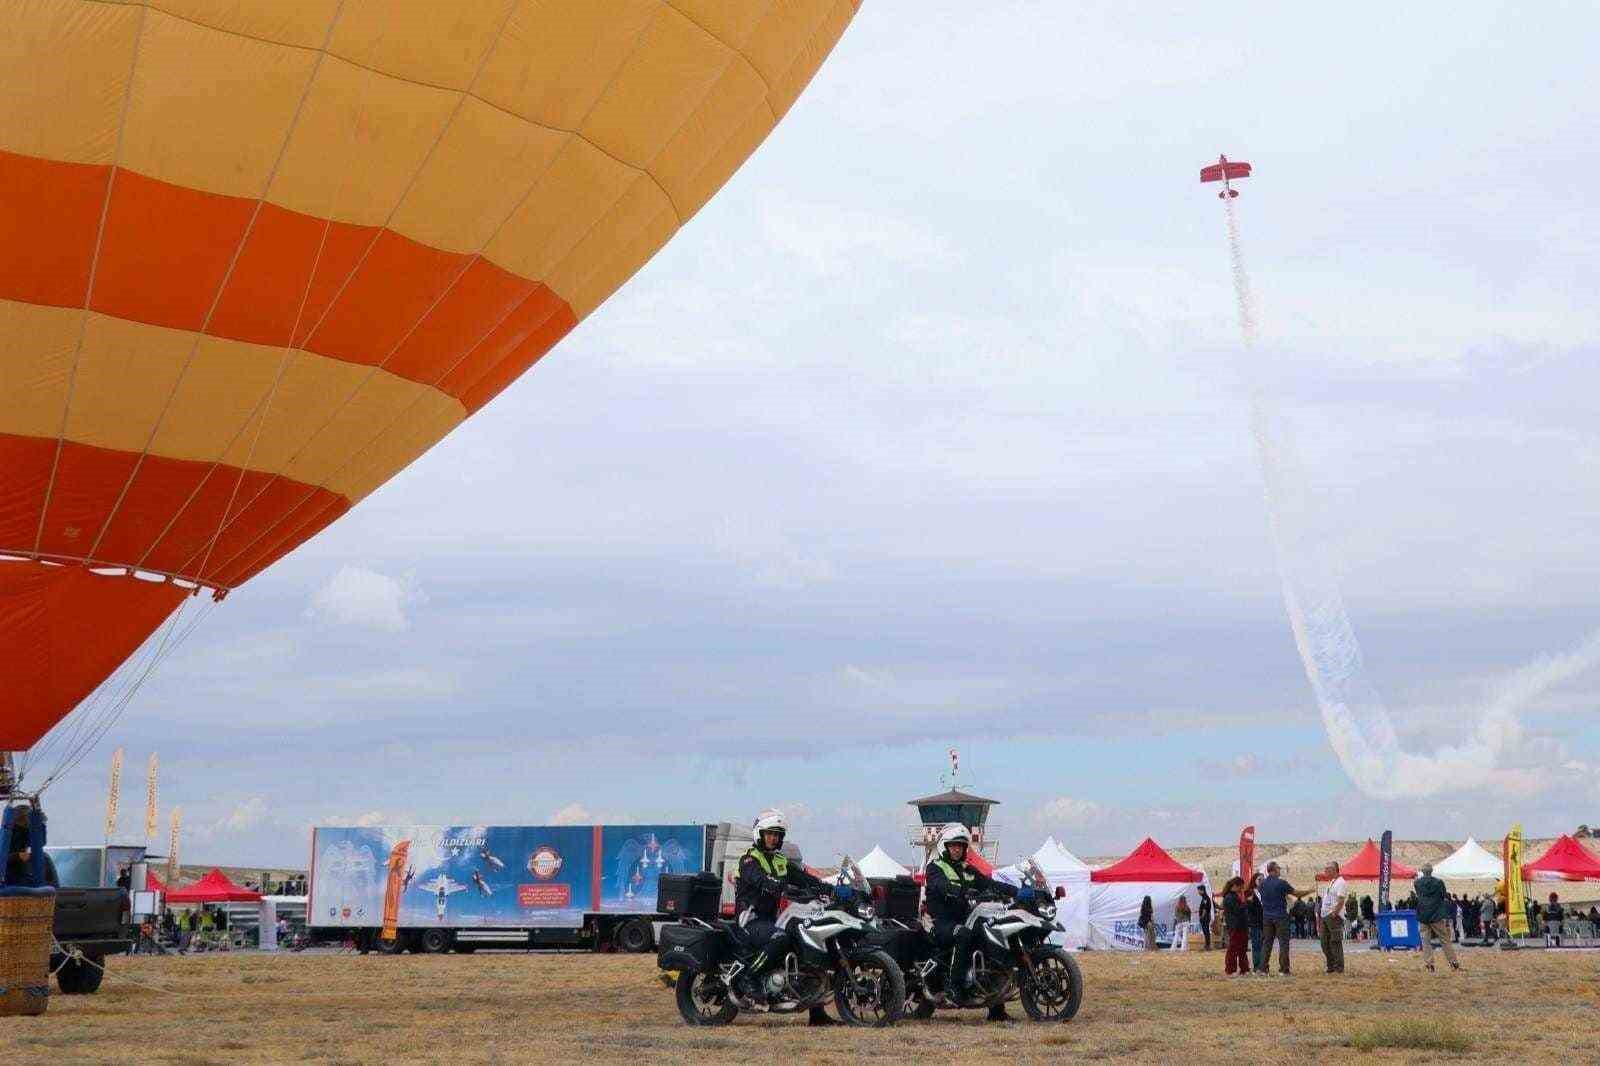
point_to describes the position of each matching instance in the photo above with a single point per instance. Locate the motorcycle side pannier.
(686, 947)
(903, 900)
(689, 895)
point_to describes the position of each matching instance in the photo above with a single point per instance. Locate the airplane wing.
(627, 858)
(1218, 171)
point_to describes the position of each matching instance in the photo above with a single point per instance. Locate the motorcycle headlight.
(865, 912)
(1047, 911)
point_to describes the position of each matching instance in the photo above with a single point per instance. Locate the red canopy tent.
(1147, 862)
(1566, 860)
(214, 887)
(1363, 866)
(152, 883)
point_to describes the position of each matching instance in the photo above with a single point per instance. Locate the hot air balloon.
(256, 256)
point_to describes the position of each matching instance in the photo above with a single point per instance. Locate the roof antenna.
(950, 780)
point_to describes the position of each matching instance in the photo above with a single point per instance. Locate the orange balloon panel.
(263, 254)
(64, 628)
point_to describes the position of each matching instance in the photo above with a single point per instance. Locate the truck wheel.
(81, 977)
(390, 947)
(435, 941)
(634, 937)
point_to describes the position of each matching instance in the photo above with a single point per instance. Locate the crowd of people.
(1254, 919)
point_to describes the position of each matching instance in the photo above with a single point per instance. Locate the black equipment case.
(690, 895)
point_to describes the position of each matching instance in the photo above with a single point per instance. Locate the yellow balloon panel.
(267, 252)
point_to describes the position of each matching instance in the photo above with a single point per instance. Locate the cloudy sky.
(932, 430)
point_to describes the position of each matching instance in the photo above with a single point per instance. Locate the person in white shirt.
(1333, 919)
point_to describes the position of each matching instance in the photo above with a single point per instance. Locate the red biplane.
(1225, 170)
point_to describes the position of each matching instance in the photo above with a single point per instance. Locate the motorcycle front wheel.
(870, 990)
(703, 999)
(1054, 992)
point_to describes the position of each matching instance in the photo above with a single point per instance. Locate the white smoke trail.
(1357, 721)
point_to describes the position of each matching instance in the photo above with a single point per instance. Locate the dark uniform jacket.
(948, 887)
(762, 878)
(1431, 905)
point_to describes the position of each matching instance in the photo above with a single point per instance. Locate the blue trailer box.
(1398, 930)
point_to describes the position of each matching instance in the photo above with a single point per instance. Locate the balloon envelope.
(261, 255)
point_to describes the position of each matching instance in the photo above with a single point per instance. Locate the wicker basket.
(27, 919)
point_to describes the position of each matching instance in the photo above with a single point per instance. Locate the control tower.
(955, 804)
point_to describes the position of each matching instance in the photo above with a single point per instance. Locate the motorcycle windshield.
(1032, 876)
(850, 874)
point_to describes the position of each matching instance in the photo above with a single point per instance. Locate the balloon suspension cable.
(97, 714)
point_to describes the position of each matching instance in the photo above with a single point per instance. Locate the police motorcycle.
(826, 951)
(1011, 957)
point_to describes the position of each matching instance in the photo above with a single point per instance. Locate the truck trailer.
(433, 888)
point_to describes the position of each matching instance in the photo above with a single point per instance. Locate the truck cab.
(91, 923)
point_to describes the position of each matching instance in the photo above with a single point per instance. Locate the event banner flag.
(1385, 868)
(1516, 891)
(1247, 852)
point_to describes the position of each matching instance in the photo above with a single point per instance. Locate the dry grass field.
(513, 1008)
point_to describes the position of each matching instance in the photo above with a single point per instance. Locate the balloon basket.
(27, 922)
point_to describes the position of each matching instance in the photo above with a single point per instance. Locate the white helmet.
(954, 833)
(771, 820)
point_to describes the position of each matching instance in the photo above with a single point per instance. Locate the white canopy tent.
(878, 864)
(1470, 862)
(1066, 871)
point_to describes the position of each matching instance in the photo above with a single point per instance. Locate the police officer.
(951, 884)
(764, 872)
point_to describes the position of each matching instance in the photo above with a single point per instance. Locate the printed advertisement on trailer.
(493, 876)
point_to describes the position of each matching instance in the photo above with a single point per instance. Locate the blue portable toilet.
(1399, 930)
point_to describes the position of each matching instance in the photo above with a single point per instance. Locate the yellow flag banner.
(113, 795)
(1516, 891)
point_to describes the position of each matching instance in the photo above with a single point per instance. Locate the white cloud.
(580, 815)
(248, 814)
(1067, 812)
(769, 557)
(366, 599)
(401, 683)
(832, 240)
(367, 819)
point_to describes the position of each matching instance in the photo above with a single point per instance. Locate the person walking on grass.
(1204, 914)
(1274, 892)
(1182, 917)
(1433, 915)
(1232, 898)
(1332, 916)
